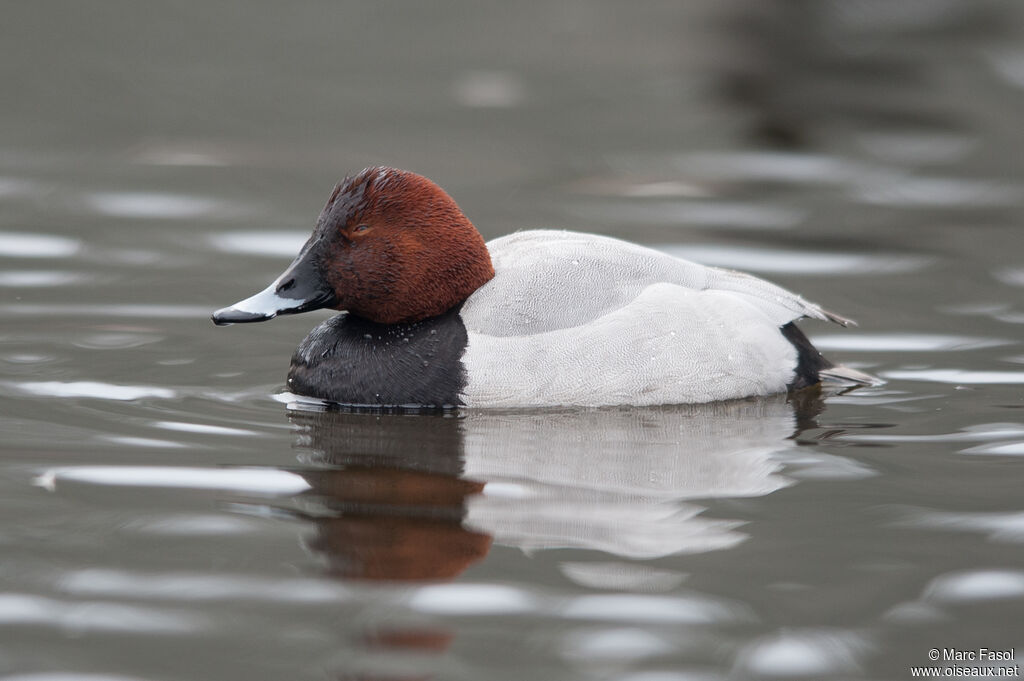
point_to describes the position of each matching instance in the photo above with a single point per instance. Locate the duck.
(432, 316)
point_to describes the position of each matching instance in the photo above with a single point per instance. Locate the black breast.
(350, 360)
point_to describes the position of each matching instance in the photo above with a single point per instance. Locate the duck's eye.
(361, 228)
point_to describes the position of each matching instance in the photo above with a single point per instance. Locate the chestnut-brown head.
(390, 246)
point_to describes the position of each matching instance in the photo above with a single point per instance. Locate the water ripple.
(176, 586)
(999, 449)
(804, 653)
(700, 674)
(270, 244)
(796, 262)
(22, 609)
(154, 311)
(39, 278)
(190, 525)
(974, 433)
(20, 245)
(145, 442)
(1003, 527)
(625, 644)
(957, 376)
(938, 192)
(819, 466)
(797, 168)
(17, 187)
(94, 389)
(472, 599)
(976, 585)
(917, 147)
(906, 342)
(499, 599)
(1008, 64)
(116, 341)
(252, 480)
(202, 428)
(621, 576)
(1011, 276)
(724, 214)
(153, 205)
(662, 609)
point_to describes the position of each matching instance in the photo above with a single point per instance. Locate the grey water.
(169, 513)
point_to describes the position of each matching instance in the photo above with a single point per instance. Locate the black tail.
(811, 367)
(809, 363)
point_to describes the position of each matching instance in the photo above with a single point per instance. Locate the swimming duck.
(433, 316)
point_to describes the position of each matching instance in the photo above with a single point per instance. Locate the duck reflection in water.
(393, 495)
(422, 497)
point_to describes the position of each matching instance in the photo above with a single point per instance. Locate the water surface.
(169, 514)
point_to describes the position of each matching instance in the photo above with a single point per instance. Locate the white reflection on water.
(468, 599)
(94, 389)
(976, 585)
(623, 576)
(270, 244)
(254, 480)
(638, 187)
(957, 376)
(1003, 312)
(19, 245)
(623, 481)
(1004, 527)
(1001, 449)
(817, 466)
(81, 617)
(642, 608)
(723, 214)
(472, 599)
(100, 310)
(16, 186)
(620, 643)
(915, 612)
(202, 428)
(905, 342)
(617, 480)
(796, 262)
(38, 278)
(200, 587)
(153, 205)
(27, 358)
(190, 525)
(167, 155)
(1011, 276)
(130, 441)
(810, 653)
(941, 192)
(873, 184)
(798, 168)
